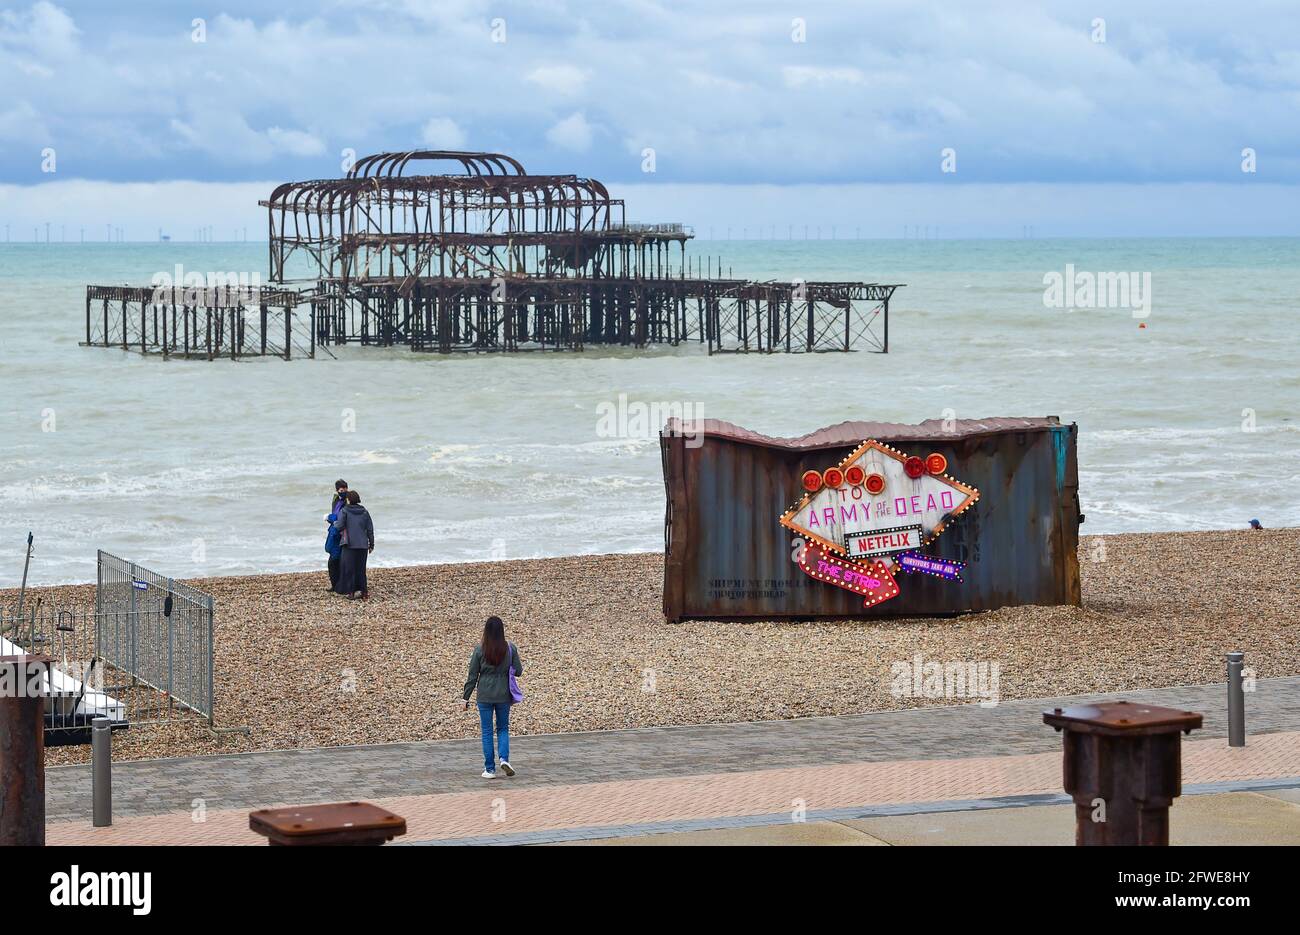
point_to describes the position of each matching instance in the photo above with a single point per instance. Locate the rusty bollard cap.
(1122, 718)
(306, 821)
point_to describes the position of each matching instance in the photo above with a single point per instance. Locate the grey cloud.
(720, 91)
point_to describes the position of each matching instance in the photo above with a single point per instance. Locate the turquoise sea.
(206, 468)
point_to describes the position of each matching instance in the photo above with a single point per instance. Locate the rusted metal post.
(885, 348)
(24, 682)
(1123, 768)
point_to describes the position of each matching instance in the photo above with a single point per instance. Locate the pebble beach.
(300, 667)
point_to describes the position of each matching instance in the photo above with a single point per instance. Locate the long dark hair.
(494, 641)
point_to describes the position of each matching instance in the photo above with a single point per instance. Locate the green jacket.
(493, 681)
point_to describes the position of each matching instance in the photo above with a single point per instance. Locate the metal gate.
(156, 630)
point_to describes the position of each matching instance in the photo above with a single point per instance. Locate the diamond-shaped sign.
(876, 503)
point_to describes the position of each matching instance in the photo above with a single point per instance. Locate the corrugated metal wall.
(726, 555)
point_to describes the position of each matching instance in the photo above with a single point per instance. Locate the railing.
(84, 684)
(157, 630)
(670, 227)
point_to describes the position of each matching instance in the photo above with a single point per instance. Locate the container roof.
(852, 433)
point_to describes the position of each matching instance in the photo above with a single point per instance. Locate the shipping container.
(728, 556)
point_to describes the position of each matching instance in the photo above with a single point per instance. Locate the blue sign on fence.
(140, 585)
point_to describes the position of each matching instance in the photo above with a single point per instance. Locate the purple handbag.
(516, 693)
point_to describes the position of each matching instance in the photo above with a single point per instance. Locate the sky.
(966, 118)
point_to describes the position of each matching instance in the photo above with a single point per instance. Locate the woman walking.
(491, 666)
(358, 534)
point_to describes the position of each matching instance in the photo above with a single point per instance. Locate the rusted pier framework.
(487, 257)
(196, 322)
(724, 316)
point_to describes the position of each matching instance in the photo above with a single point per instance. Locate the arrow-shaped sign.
(947, 568)
(873, 581)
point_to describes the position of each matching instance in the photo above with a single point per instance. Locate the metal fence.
(141, 656)
(157, 630)
(82, 684)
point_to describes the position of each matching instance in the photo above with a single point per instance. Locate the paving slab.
(1238, 818)
(1036, 825)
(1286, 795)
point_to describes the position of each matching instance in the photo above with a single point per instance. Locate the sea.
(1188, 413)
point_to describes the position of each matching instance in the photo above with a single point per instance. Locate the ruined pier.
(483, 258)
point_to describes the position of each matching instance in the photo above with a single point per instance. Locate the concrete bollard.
(24, 683)
(1236, 700)
(1123, 768)
(101, 755)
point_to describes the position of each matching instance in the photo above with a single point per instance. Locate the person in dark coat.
(358, 541)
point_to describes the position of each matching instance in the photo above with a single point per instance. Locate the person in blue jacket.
(334, 546)
(334, 538)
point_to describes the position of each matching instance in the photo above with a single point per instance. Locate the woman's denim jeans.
(485, 712)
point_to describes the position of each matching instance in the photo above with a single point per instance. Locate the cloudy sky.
(1077, 117)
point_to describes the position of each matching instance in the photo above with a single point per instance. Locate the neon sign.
(897, 492)
(947, 568)
(871, 514)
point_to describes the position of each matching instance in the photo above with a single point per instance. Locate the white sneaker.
(507, 768)
(487, 775)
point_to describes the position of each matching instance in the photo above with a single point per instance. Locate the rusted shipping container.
(727, 556)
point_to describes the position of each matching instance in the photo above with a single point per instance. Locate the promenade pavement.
(955, 774)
